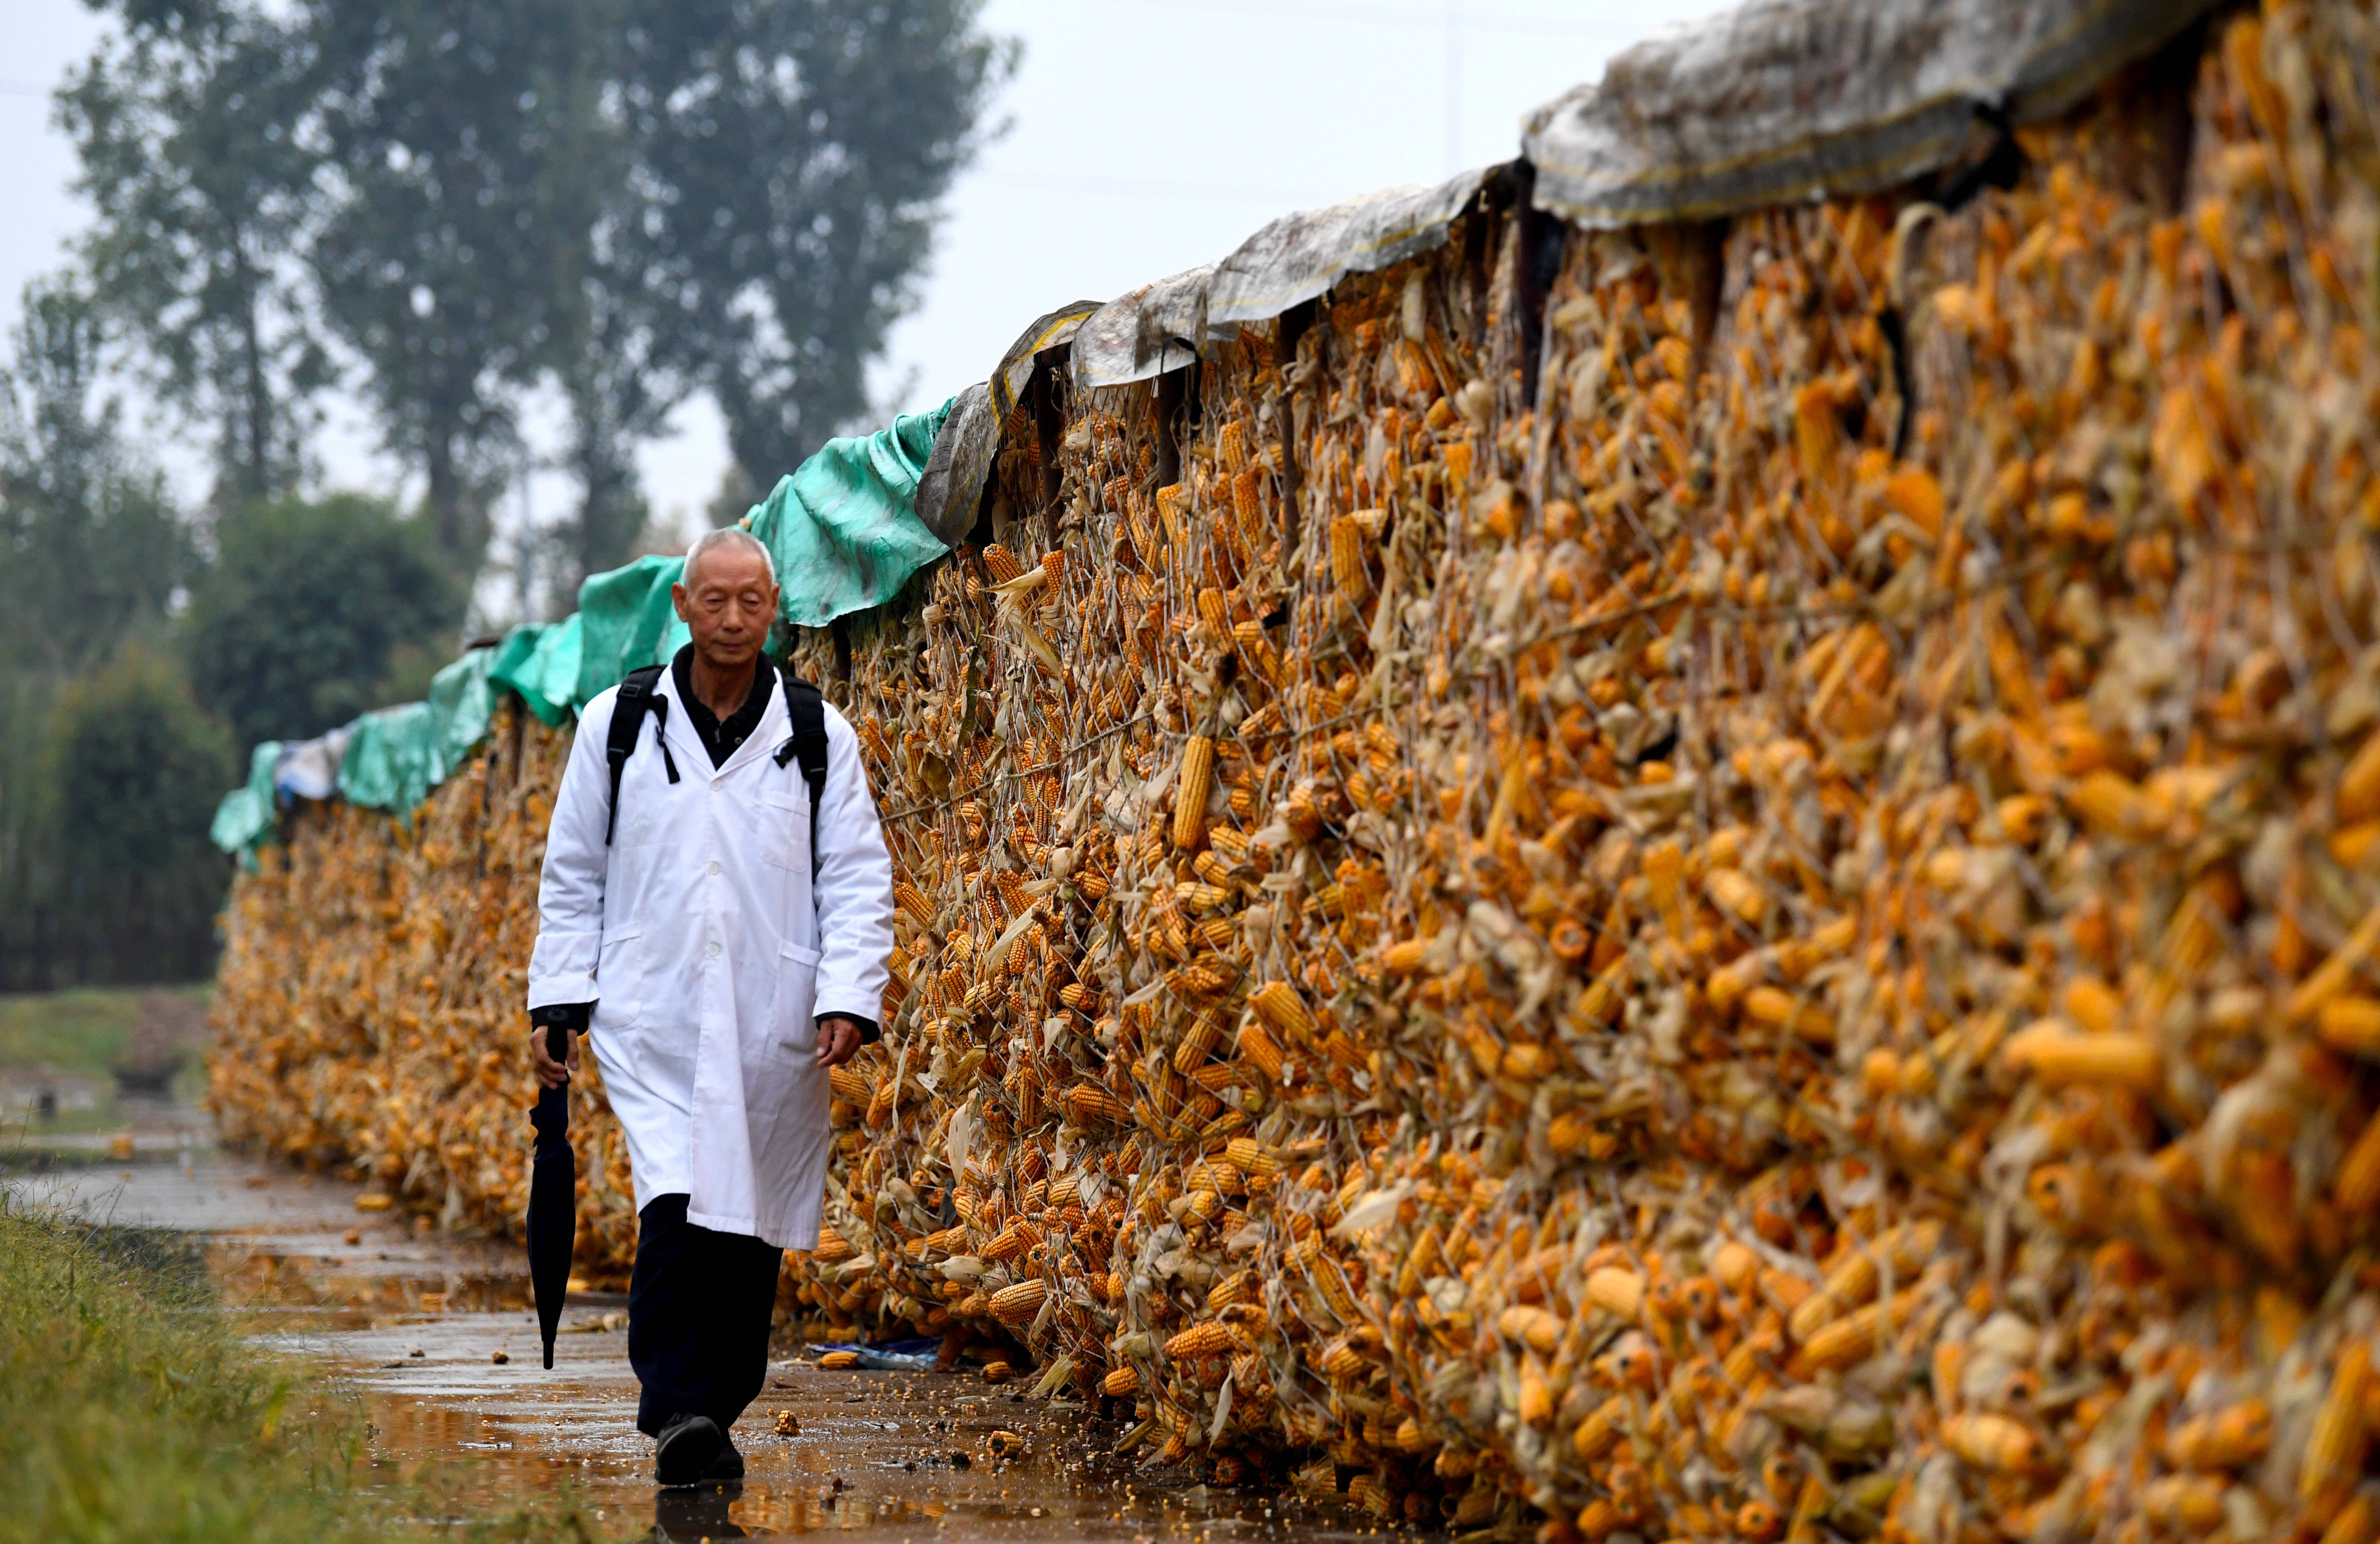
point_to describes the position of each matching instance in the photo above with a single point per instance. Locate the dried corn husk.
(1725, 926)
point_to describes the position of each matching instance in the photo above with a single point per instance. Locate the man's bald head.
(727, 597)
(729, 539)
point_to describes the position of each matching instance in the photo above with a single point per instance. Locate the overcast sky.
(1145, 136)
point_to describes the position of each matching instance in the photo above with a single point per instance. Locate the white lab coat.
(697, 936)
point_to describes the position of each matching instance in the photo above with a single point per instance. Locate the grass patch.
(131, 1409)
(82, 1030)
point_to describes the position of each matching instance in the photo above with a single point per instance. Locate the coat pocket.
(794, 1027)
(621, 977)
(784, 831)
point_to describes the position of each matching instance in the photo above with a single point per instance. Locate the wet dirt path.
(435, 1335)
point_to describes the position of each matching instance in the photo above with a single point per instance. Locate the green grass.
(80, 1035)
(131, 1409)
(82, 1030)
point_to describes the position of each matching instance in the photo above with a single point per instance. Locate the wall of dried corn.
(367, 1010)
(1764, 930)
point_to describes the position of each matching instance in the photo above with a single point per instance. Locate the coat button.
(715, 783)
(712, 951)
(714, 866)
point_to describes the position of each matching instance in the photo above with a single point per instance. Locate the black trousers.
(699, 1304)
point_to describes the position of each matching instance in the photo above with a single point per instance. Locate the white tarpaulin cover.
(1161, 326)
(952, 483)
(1300, 256)
(1155, 328)
(1782, 101)
(1051, 329)
(309, 770)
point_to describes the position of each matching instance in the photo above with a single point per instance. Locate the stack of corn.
(1742, 905)
(367, 1009)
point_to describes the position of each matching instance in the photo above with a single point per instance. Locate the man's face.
(727, 603)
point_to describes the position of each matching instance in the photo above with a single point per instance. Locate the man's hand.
(551, 1073)
(838, 1037)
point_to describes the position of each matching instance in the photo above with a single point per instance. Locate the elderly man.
(721, 928)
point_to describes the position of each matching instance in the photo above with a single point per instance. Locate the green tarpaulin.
(397, 755)
(625, 620)
(245, 816)
(540, 663)
(843, 530)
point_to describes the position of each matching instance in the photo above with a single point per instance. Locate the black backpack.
(807, 743)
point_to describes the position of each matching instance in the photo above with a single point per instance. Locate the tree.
(188, 125)
(628, 199)
(613, 407)
(28, 831)
(790, 157)
(90, 546)
(450, 250)
(735, 496)
(308, 607)
(90, 554)
(601, 349)
(137, 770)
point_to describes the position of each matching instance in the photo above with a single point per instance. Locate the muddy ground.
(435, 1335)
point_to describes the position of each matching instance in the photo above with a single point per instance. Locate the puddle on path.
(413, 1322)
(908, 1455)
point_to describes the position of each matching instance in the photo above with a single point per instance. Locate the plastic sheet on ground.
(914, 1355)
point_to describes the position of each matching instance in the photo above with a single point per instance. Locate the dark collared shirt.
(721, 737)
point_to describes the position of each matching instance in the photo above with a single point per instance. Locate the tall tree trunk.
(603, 458)
(257, 405)
(605, 512)
(447, 513)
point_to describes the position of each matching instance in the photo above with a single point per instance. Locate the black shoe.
(697, 1512)
(683, 1453)
(728, 1465)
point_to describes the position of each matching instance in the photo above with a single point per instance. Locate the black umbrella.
(553, 1196)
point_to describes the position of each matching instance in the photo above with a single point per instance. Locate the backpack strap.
(637, 699)
(807, 707)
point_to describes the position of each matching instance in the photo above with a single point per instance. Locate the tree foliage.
(295, 629)
(790, 156)
(137, 770)
(449, 248)
(186, 124)
(91, 554)
(90, 547)
(452, 207)
(623, 199)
